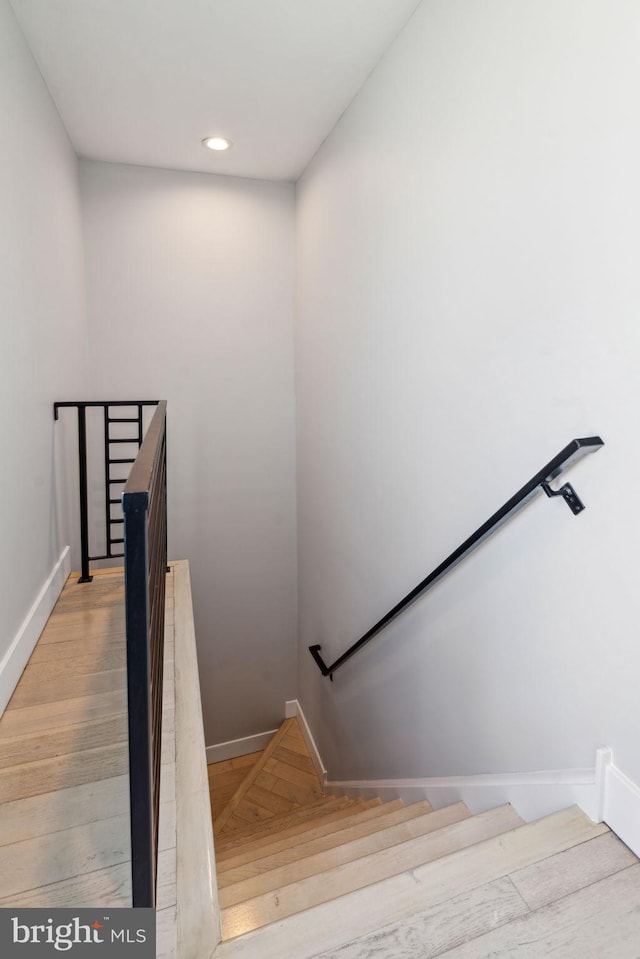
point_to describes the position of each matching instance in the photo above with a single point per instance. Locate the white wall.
(190, 292)
(42, 332)
(468, 302)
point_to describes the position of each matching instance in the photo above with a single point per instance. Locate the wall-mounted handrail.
(573, 451)
(111, 499)
(144, 504)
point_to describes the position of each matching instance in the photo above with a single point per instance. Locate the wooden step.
(331, 924)
(323, 807)
(290, 785)
(342, 854)
(247, 832)
(309, 832)
(586, 912)
(303, 846)
(272, 906)
(326, 814)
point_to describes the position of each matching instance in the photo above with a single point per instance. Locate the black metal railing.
(144, 503)
(572, 452)
(112, 484)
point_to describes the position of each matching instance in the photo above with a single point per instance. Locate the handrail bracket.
(569, 495)
(314, 650)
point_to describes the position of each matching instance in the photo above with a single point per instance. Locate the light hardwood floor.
(64, 784)
(579, 904)
(225, 777)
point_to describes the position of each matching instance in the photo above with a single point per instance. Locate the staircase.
(301, 874)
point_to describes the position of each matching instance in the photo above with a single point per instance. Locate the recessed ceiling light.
(217, 143)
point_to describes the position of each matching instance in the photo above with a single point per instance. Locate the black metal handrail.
(572, 452)
(109, 480)
(144, 503)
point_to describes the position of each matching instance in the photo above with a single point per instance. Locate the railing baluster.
(81, 407)
(84, 506)
(107, 506)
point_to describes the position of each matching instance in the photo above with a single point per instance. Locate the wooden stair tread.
(276, 824)
(292, 774)
(296, 793)
(328, 814)
(249, 833)
(297, 758)
(267, 799)
(300, 873)
(361, 826)
(396, 838)
(331, 925)
(306, 832)
(270, 907)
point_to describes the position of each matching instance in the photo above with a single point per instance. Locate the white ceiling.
(143, 81)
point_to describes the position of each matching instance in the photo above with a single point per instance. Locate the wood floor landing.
(225, 777)
(263, 786)
(64, 783)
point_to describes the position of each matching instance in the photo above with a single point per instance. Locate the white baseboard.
(533, 794)
(622, 807)
(239, 747)
(17, 656)
(595, 809)
(253, 744)
(293, 708)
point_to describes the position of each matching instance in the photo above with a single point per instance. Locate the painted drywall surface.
(42, 332)
(468, 300)
(190, 292)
